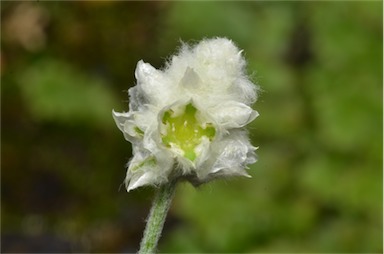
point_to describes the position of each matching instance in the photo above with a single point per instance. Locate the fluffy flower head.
(188, 119)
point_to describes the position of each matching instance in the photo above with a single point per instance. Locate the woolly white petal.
(217, 62)
(120, 119)
(190, 79)
(226, 61)
(243, 90)
(133, 125)
(233, 158)
(203, 151)
(233, 114)
(231, 155)
(147, 169)
(140, 180)
(139, 170)
(152, 82)
(125, 124)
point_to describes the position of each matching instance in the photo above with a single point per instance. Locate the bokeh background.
(317, 186)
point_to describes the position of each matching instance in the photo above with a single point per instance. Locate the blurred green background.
(317, 186)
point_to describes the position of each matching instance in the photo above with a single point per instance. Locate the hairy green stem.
(156, 218)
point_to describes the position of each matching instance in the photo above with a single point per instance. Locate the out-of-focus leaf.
(56, 92)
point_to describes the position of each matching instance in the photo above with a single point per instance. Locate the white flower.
(188, 119)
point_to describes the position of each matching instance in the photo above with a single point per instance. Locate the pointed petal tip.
(115, 114)
(129, 186)
(139, 181)
(247, 175)
(255, 113)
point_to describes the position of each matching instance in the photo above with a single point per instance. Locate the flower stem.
(156, 217)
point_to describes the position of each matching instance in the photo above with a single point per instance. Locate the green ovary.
(185, 131)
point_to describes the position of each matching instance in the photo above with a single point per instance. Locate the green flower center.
(185, 131)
